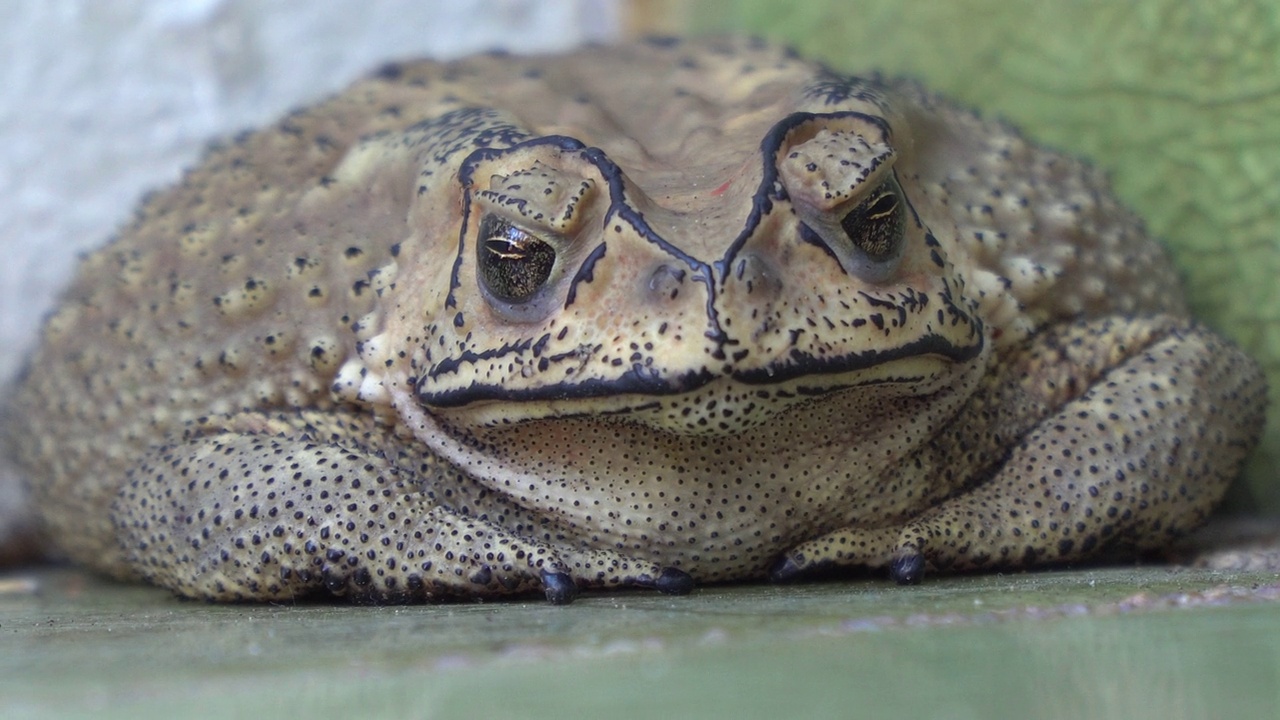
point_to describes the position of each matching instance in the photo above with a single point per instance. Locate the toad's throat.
(826, 374)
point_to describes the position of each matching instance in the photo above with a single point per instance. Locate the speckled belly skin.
(651, 315)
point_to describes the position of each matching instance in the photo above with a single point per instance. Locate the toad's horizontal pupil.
(882, 206)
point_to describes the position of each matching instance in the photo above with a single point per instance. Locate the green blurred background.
(1179, 101)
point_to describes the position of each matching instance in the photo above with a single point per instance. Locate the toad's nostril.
(756, 274)
(666, 282)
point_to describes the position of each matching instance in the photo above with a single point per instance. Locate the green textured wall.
(1179, 101)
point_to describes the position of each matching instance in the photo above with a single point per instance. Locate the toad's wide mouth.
(725, 399)
(646, 380)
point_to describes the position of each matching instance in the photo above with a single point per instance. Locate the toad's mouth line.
(639, 380)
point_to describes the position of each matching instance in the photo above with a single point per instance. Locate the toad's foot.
(259, 516)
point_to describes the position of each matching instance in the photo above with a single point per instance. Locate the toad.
(651, 315)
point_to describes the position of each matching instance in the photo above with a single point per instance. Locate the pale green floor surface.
(1126, 643)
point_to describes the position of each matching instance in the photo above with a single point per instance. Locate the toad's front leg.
(301, 508)
(1126, 433)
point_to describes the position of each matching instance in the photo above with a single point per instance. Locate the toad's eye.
(514, 263)
(877, 224)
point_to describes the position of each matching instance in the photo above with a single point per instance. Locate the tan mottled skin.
(290, 373)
